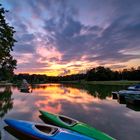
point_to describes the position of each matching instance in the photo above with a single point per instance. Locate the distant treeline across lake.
(95, 74)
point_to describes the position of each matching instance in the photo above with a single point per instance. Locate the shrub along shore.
(102, 82)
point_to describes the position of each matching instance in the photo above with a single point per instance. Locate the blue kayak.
(45, 132)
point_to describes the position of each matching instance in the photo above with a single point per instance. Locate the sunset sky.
(59, 37)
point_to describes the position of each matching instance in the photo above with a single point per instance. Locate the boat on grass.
(128, 92)
(44, 132)
(122, 93)
(134, 87)
(71, 124)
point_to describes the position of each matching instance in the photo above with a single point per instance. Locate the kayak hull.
(77, 127)
(29, 128)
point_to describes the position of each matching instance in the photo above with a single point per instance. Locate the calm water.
(90, 104)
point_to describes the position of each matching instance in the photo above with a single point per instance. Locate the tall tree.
(7, 62)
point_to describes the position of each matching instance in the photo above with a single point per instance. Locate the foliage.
(7, 62)
(106, 74)
(95, 74)
(101, 74)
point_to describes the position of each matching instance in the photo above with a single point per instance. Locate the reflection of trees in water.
(100, 91)
(39, 86)
(6, 102)
(44, 86)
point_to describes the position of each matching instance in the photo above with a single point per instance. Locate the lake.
(91, 104)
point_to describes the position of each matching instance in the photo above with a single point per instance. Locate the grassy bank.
(103, 82)
(86, 82)
(5, 84)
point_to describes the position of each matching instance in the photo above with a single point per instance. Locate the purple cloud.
(72, 31)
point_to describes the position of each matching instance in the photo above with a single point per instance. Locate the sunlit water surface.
(90, 104)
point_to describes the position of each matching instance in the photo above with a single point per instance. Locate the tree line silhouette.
(95, 74)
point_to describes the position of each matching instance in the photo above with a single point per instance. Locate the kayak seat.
(67, 120)
(47, 129)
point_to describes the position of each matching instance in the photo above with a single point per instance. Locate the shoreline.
(6, 84)
(84, 82)
(102, 82)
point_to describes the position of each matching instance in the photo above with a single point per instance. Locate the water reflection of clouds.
(106, 115)
(132, 114)
(54, 100)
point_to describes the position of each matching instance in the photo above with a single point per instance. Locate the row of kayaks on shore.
(58, 127)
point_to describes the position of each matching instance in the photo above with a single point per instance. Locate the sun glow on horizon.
(75, 68)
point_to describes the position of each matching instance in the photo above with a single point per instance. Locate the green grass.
(103, 82)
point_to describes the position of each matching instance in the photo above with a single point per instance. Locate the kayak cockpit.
(67, 120)
(47, 129)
